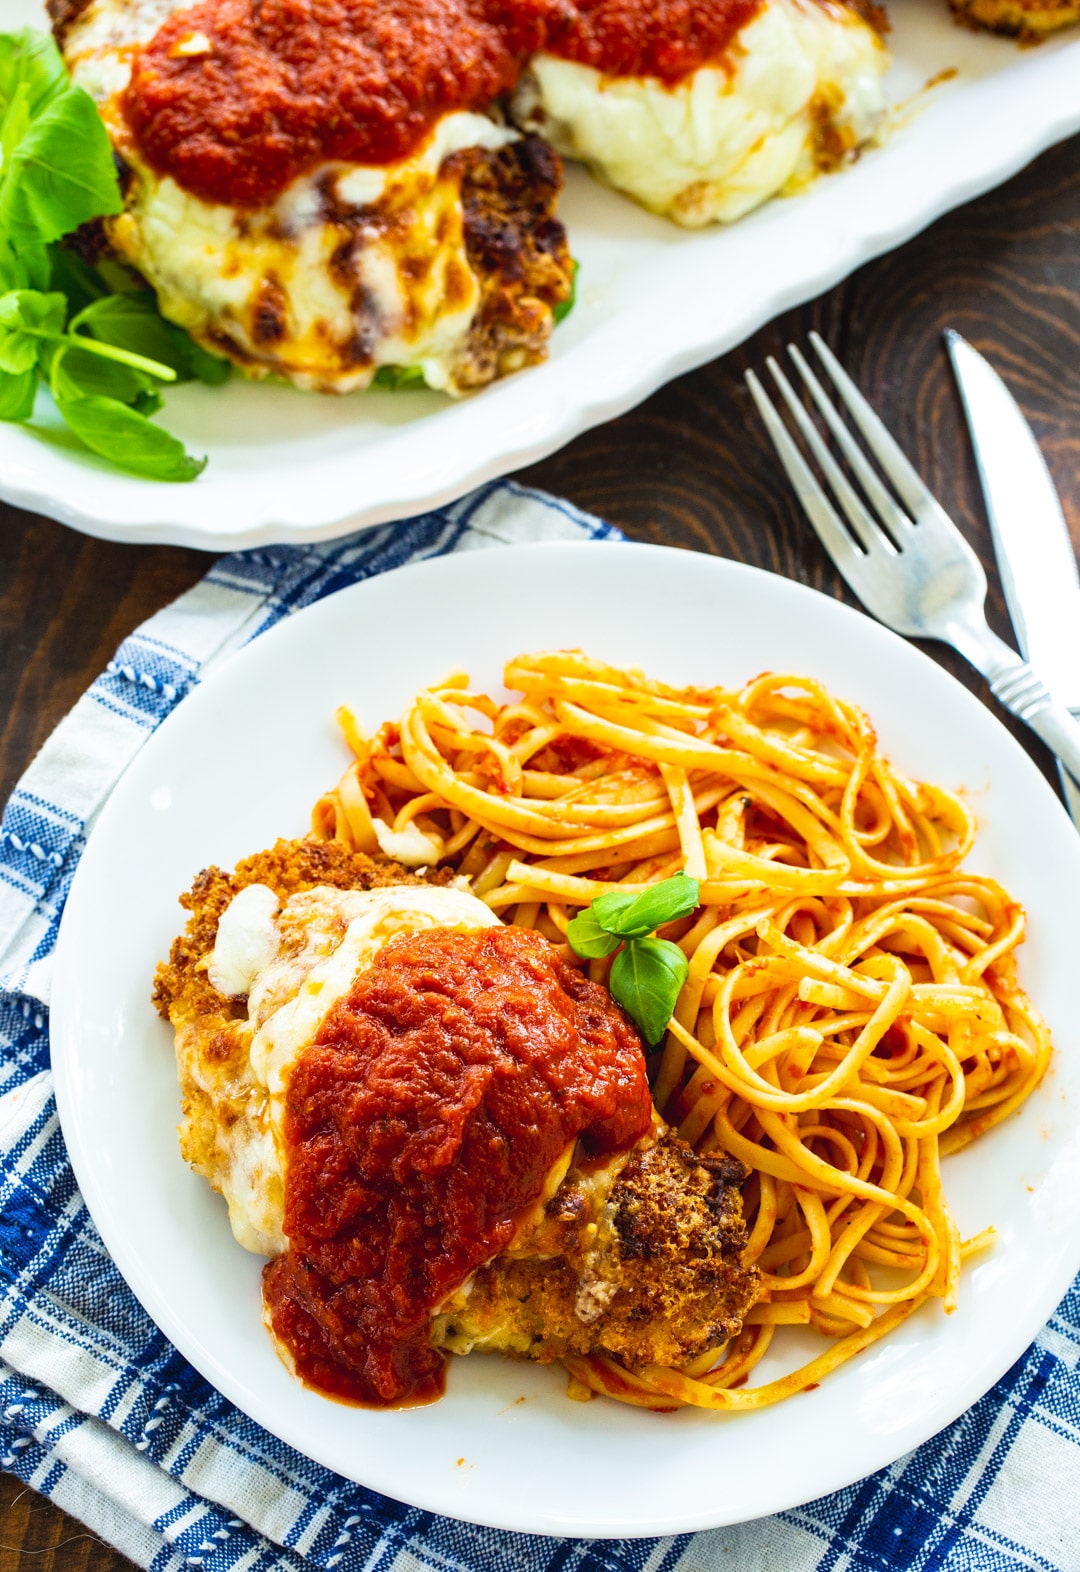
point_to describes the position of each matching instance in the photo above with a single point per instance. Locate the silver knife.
(1034, 553)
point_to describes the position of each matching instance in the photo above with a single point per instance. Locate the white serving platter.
(654, 301)
(240, 763)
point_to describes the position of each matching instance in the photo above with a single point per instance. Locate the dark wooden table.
(689, 468)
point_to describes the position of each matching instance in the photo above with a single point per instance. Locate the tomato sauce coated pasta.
(851, 1015)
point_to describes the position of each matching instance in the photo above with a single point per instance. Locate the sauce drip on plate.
(234, 99)
(423, 1120)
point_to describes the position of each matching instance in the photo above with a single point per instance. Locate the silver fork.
(905, 560)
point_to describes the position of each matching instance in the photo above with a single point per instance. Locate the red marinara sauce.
(421, 1122)
(278, 87)
(286, 85)
(667, 39)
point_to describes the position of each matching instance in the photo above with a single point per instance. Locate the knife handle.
(1021, 690)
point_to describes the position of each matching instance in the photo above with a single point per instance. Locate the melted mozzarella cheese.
(323, 940)
(99, 43)
(409, 846)
(719, 143)
(212, 267)
(247, 941)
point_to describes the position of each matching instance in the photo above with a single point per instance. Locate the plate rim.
(992, 1365)
(204, 516)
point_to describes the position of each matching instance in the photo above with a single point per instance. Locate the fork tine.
(819, 510)
(910, 488)
(865, 527)
(864, 472)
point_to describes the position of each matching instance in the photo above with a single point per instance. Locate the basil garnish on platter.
(648, 973)
(104, 355)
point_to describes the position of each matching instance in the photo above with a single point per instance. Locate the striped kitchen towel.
(99, 1413)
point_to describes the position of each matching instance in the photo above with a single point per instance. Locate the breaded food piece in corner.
(1028, 20)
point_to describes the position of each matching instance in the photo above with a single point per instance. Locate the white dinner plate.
(654, 301)
(240, 763)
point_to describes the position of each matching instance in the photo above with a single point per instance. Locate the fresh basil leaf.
(33, 309)
(119, 279)
(399, 379)
(73, 278)
(11, 274)
(560, 312)
(587, 938)
(61, 174)
(210, 369)
(646, 979)
(15, 122)
(128, 439)
(606, 910)
(133, 322)
(634, 916)
(34, 262)
(30, 60)
(19, 351)
(76, 373)
(147, 402)
(26, 319)
(23, 267)
(57, 173)
(17, 394)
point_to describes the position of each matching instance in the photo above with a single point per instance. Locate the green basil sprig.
(104, 355)
(104, 392)
(132, 321)
(399, 379)
(648, 973)
(560, 312)
(56, 164)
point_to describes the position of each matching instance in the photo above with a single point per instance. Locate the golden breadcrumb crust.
(1028, 20)
(653, 1274)
(287, 868)
(211, 1037)
(63, 14)
(517, 249)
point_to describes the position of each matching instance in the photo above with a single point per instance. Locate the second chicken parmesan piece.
(702, 113)
(322, 199)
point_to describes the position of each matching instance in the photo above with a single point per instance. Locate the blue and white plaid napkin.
(99, 1413)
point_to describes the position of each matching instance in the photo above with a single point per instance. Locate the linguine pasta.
(851, 1013)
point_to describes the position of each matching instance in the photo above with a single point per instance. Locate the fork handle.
(1022, 692)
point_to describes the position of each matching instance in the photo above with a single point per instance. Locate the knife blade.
(1031, 539)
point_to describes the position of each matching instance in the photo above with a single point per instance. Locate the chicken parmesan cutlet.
(702, 112)
(317, 192)
(439, 1131)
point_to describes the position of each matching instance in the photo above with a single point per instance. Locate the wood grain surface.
(688, 468)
